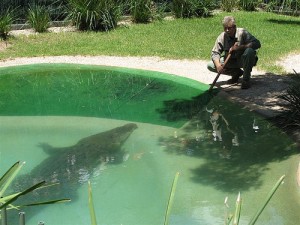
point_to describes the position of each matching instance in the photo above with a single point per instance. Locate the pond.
(129, 132)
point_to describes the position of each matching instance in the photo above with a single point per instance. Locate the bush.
(284, 7)
(248, 5)
(290, 118)
(38, 18)
(229, 5)
(192, 8)
(141, 11)
(6, 19)
(96, 15)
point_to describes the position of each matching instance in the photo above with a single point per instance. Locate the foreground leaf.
(8, 177)
(171, 199)
(274, 189)
(91, 206)
(22, 193)
(48, 202)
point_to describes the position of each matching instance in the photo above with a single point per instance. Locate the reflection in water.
(236, 154)
(222, 132)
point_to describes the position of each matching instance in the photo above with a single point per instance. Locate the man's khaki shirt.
(224, 42)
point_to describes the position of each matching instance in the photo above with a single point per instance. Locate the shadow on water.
(235, 146)
(178, 109)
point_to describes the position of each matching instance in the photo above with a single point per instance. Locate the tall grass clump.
(192, 8)
(95, 15)
(7, 17)
(38, 17)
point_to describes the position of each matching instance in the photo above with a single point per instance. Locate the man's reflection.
(222, 132)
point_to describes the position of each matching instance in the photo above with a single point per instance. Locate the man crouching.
(242, 46)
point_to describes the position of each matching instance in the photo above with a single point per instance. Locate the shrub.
(229, 5)
(6, 19)
(38, 18)
(141, 11)
(284, 7)
(97, 15)
(290, 117)
(248, 5)
(192, 8)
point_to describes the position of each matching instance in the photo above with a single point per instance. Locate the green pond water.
(218, 148)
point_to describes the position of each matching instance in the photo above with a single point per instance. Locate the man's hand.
(219, 68)
(234, 48)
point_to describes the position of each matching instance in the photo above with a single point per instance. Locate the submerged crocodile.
(73, 165)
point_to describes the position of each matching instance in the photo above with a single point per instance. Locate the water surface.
(218, 148)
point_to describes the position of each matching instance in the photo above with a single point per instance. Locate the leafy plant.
(229, 5)
(144, 11)
(7, 17)
(290, 117)
(284, 7)
(192, 8)
(248, 5)
(97, 15)
(141, 11)
(5, 182)
(38, 17)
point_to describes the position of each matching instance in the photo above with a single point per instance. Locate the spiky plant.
(96, 15)
(38, 17)
(290, 117)
(192, 8)
(141, 11)
(7, 17)
(6, 201)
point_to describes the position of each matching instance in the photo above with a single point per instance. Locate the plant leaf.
(47, 202)
(91, 206)
(171, 199)
(8, 177)
(238, 208)
(22, 193)
(274, 189)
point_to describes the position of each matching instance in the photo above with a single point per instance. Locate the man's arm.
(217, 51)
(246, 40)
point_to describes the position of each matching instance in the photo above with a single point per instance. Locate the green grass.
(177, 39)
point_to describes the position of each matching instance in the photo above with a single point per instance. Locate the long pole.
(219, 73)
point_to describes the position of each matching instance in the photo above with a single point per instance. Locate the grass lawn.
(175, 39)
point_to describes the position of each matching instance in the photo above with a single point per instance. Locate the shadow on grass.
(288, 22)
(235, 146)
